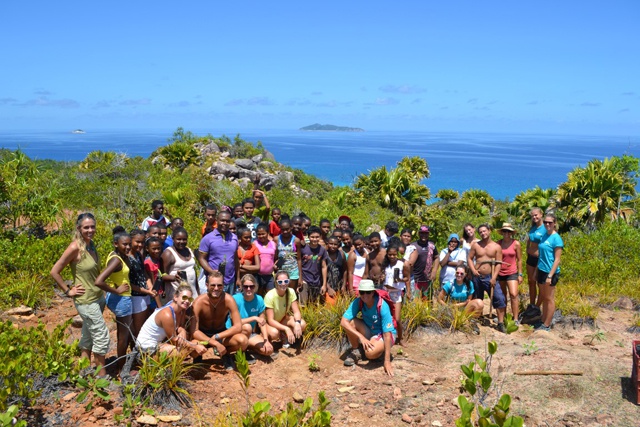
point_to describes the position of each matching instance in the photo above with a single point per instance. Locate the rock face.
(243, 172)
(245, 163)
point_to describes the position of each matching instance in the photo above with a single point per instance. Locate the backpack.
(531, 316)
(384, 295)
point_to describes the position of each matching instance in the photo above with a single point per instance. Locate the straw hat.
(506, 226)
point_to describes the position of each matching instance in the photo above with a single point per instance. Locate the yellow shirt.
(277, 302)
(117, 278)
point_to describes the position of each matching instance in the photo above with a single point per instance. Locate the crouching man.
(211, 310)
(374, 331)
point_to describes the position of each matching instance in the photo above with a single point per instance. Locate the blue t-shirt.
(376, 324)
(547, 247)
(536, 233)
(459, 293)
(248, 308)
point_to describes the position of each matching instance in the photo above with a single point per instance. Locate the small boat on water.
(78, 131)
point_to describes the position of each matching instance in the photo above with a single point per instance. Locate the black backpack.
(531, 316)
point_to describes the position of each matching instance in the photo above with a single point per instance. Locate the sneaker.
(354, 356)
(251, 359)
(228, 363)
(501, 328)
(543, 327)
(275, 354)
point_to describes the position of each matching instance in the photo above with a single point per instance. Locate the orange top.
(249, 255)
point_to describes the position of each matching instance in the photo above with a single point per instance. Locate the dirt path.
(427, 378)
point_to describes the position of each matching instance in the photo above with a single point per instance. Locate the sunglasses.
(366, 292)
(215, 285)
(460, 274)
(186, 298)
(548, 222)
(248, 286)
(283, 282)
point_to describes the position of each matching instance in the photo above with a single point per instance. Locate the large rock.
(246, 173)
(20, 311)
(267, 181)
(268, 156)
(244, 183)
(245, 163)
(257, 158)
(221, 168)
(286, 176)
(207, 148)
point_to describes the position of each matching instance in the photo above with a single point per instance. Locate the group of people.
(258, 267)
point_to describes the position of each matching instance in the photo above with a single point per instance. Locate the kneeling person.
(251, 307)
(211, 310)
(374, 331)
(165, 329)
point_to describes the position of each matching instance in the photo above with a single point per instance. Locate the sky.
(569, 67)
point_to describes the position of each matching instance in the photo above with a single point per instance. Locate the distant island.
(332, 128)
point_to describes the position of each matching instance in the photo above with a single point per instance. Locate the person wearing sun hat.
(375, 331)
(510, 275)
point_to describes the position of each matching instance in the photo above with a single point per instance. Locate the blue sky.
(501, 66)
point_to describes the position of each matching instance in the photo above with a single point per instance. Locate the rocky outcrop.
(243, 172)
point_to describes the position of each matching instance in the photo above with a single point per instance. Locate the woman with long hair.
(82, 257)
(550, 248)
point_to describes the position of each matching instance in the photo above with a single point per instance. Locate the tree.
(593, 192)
(475, 202)
(447, 195)
(398, 189)
(528, 199)
(28, 195)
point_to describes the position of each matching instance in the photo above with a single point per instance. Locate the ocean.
(502, 164)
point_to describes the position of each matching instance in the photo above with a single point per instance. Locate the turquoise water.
(502, 164)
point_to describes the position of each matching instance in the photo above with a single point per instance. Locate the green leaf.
(513, 422)
(493, 347)
(485, 381)
(102, 383)
(82, 396)
(470, 386)
(481, 362)
(82, 382)
(505, 402)
(103, 395)
(467, 371)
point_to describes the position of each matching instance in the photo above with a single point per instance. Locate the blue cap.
(453, 236)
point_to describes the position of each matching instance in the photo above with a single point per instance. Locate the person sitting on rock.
(211, 311)
(375, 331)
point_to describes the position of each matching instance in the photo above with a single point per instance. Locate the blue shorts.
(119, 305)
(483, 284)
(265, 281)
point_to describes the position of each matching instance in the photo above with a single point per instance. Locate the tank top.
(151, 334)
(117, 278)
(335, 270)
(267, 256)
(288, 255)
(509, 256)
(136, 275)
(358, 267)
(85, 272)
(187, 266)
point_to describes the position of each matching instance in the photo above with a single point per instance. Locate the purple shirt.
(218, 247)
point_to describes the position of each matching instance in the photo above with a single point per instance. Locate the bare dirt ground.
(426, 383)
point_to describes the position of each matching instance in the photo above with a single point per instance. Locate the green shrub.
(25, 353)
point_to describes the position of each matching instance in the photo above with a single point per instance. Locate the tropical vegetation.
(39, 200)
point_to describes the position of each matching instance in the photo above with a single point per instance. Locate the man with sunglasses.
(211, 311)
(375, 331)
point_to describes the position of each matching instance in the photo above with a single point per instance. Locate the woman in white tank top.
(177, 259)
